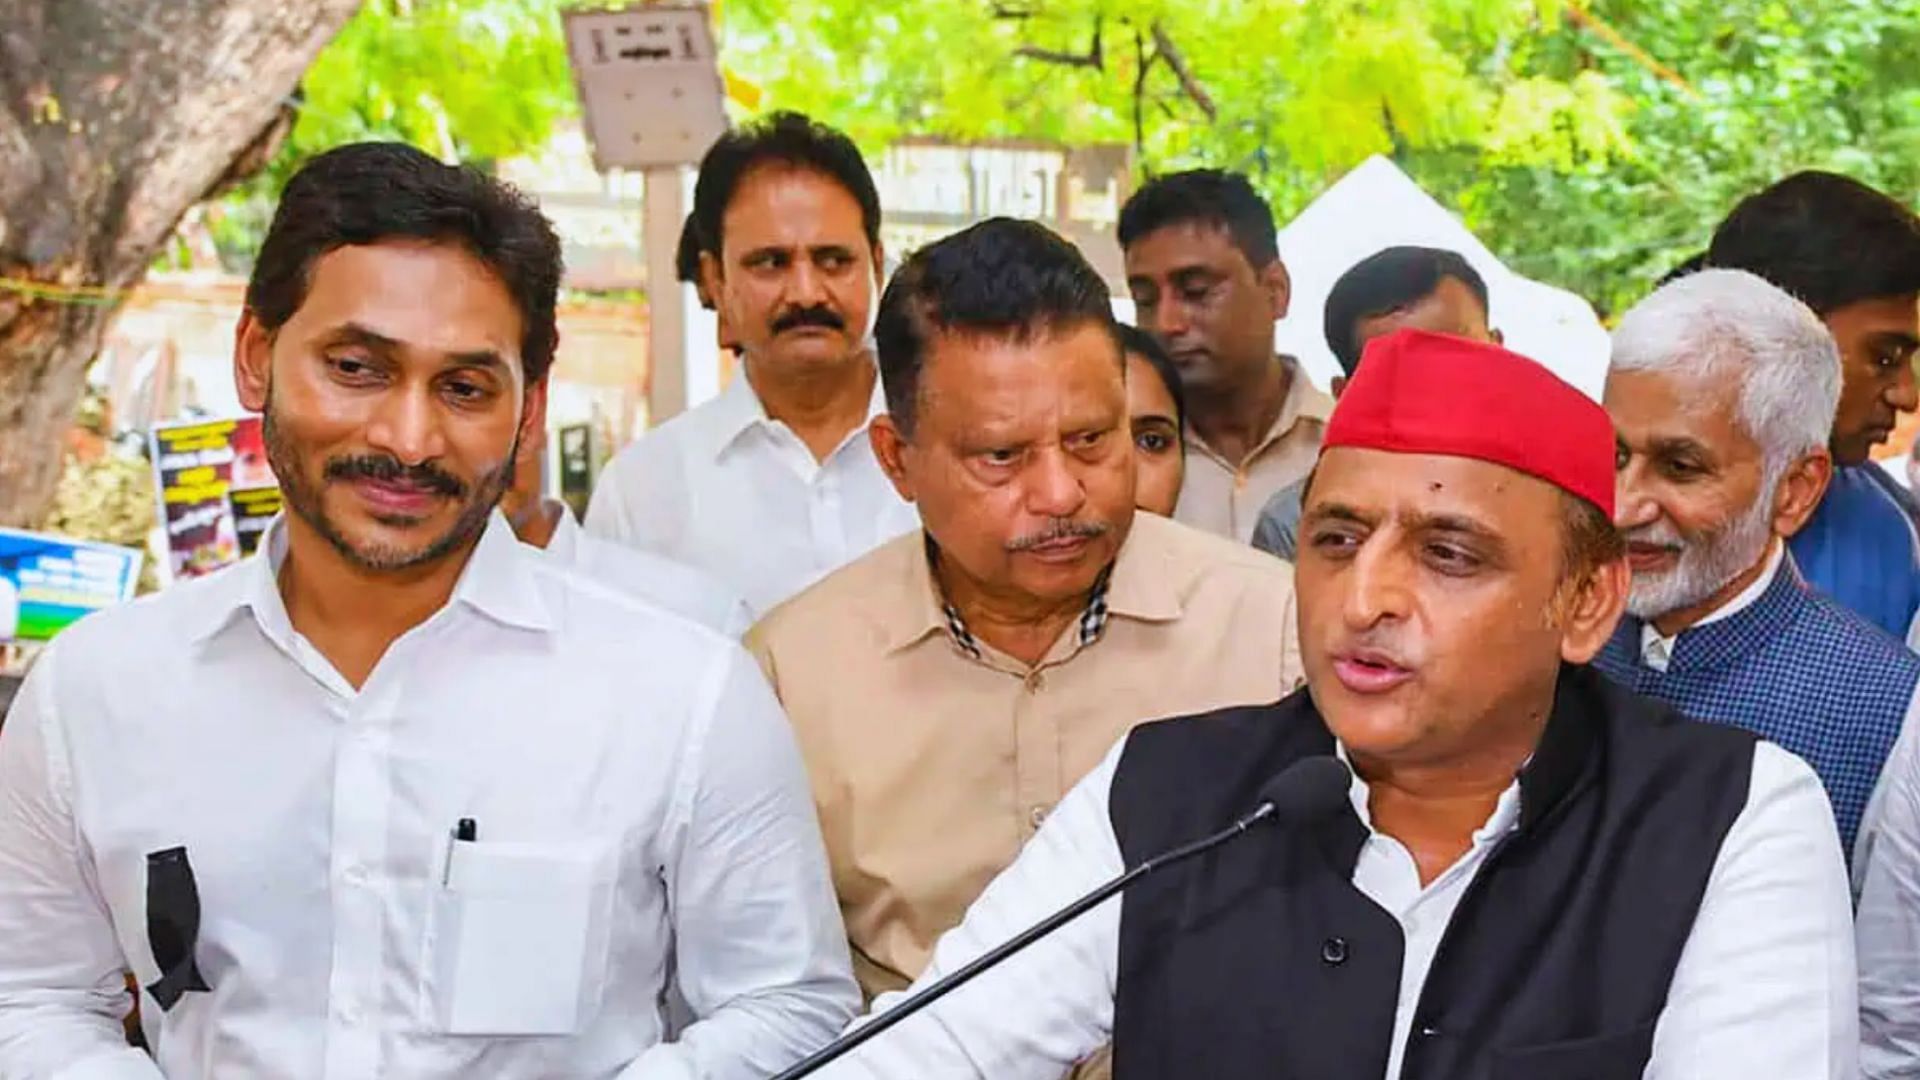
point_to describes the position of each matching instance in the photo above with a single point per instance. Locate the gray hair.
(1715, 322)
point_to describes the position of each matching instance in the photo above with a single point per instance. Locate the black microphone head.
(1309, 789)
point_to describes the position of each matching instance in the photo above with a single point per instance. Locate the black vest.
(1262, 961)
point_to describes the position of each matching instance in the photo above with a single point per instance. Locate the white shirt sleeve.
(62, 984)
(1765, 985)
(607, 515)
(1045, 1009)
(760, 950)
(1871, 816)
(1889, 927)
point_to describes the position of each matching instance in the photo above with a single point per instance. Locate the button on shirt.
(674, 586)
(1657, 652)
(638, 801)
(1226, 499)
(1760, 989)
(934, 756)
(731, 491)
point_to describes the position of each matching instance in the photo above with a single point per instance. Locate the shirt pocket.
(518, 937)
(1619, 1055)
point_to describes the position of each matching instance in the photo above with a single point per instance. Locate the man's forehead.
(436, 298)
(1388, 483)
(1003, 376)
(778, 201)
(1181, 245)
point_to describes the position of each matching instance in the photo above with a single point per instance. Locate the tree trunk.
(116, 116)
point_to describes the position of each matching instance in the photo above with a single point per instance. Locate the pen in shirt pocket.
(466, 831)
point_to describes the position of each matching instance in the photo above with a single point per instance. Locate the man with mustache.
(1533, 874)
(1722, 391)
(772, 484)
(1207, 280)
(1852, 254)
(950, 687)
(398, 796)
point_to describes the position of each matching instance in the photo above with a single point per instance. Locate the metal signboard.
(649, 82)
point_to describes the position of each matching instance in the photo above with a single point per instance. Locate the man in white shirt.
(1533, 874)
(1722, 392)
(548, 524)
(400, 797)
(773, 484)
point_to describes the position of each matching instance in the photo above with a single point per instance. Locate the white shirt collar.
(1656, 651)
(565, 541)
(1504, 819)
(739, 410)
(496, 582)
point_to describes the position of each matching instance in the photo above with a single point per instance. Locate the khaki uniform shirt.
(1225, 499)
(931, 766)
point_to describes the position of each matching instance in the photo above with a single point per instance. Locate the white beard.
(1705, 565)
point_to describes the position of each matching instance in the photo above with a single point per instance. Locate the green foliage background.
(1579, 163)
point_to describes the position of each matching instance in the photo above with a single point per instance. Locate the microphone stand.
(961, 976)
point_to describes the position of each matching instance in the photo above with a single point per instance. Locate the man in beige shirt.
(949, 687)
(1206, 277)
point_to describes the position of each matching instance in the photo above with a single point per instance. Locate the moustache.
(1064, 529)
(388, 470)
(1656, 535)
(818, 315)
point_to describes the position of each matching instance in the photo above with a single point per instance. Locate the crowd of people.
(963, 599)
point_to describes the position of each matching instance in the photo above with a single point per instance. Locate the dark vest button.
(1333, 951)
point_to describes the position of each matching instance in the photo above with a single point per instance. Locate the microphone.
(1305, 791)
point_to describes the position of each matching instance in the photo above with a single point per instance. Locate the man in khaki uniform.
(949, 687)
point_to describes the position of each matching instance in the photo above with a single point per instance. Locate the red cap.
(1422, 393)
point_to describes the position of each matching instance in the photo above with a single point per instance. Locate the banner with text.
(49, 582)
(217, 492)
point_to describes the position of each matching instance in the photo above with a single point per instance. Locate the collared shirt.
(1225, 499)
(1657, 652)
(731, 491)
(931, 765)
(1764, 986)
(1862, 547)
(1889, 927)
(621, 823)
(674, 586)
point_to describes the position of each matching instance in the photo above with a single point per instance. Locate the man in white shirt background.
(773, 484)
(548, 524)
(400, 796)
(1722, 391)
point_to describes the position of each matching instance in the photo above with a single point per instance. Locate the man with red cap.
(1529, 872)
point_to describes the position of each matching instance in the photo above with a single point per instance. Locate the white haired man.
(1722, 392)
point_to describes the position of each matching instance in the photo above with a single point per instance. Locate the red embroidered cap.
(1422, 393)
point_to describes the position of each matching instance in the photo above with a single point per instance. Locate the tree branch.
(1163, 44)
(1141, 63)
(1094, 58)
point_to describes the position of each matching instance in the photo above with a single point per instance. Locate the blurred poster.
(49, 582)
(216, 492)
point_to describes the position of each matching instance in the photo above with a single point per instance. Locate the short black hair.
(1387, 281)
(1215, 197)
(1137, 342)
(782, 138)
(1001, 278)
(686, 257)
(1827, 239)
(365, 193)
(1692, 264)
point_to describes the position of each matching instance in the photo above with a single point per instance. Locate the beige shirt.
(931, 767)
(1225, 499)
